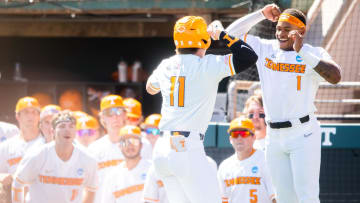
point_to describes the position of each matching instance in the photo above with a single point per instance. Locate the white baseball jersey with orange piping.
(288, 83)
(154, 190)
(13, 150)
(124, 185)
(50, 179)
(8, 130)
(189, 86)
(245, 181)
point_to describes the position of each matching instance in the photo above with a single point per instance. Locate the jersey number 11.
(181, 93)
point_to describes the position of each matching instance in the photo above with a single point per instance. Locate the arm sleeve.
(151, 187)
(91, 182)
(243, 55)
(223, 192)
(243, 25)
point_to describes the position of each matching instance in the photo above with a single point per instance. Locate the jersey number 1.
(181, 93)
(298, 82)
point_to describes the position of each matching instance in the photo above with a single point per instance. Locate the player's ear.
(302, 31)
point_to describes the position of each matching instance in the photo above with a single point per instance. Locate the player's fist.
(271, 12)
(6, 179)
(297, 39)
(214, 29)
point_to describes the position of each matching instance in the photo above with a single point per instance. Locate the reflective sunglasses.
(241, 133)
(153, 131)
(261, 115)
(113, 111)
(128, 141)
(86, 132)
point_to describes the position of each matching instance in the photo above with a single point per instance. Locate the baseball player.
(133, 111)
(254, 110)
(290, 72)
(27, 113)
(126, 182)
(244, 177)
(7, 130)
(105, 149)
(188, 82)
(46, 116)
(87, 130)
(60, 171)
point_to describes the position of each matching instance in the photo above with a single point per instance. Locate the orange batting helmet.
(191, 32)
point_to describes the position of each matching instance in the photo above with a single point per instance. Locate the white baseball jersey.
(108, 155)
(288, 84)
(189, 86)
(50, 179)
(8, 130)
(259, 144)
(13, 150)
(124, 185)
(245, 181)
(154, 190)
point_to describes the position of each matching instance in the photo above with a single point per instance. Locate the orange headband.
(285, 17)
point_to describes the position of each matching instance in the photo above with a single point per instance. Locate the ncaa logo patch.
(80, 171)
(254, 169)
(298, 58)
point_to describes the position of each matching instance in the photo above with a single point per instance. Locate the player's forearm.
(150, 89)
(17, 192)
(89, 196)
(329, 71)
(242, 25)
(243, 55)
(326, 69)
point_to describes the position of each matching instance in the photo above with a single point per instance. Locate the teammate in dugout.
(188, 82)
(290, 72)
(244, 177)
(59, 172)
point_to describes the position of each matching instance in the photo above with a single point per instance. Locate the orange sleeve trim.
(153, 87)
(245, 36)
(151, 200)
(231, 68)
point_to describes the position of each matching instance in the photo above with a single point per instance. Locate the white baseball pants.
(188, 176)
(293, 156)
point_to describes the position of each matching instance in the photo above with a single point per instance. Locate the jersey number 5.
(181, 93)
(253, 196)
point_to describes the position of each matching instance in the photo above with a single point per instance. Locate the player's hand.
(297, 38)
(214, 29)
(6, 179)
(271, 12)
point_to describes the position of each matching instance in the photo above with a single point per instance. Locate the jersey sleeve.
(91, 181)
(29, 167)
(3, 157)
(219, 66)
(224, 194)
(154, 79)
(151, 187)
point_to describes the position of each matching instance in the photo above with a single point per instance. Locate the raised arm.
(242, 25)
(329, 70)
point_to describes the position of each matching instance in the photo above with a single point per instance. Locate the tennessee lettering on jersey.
(285, 67)
(128, 190)
(242, 180)
(60, 180)
(109, 163)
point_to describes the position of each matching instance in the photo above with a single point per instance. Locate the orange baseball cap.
(130, 130)
(111, 101)
(86, 122)
(49, 110)
(153, 120)
(241, 124)
(27, 102)
(133, 108)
